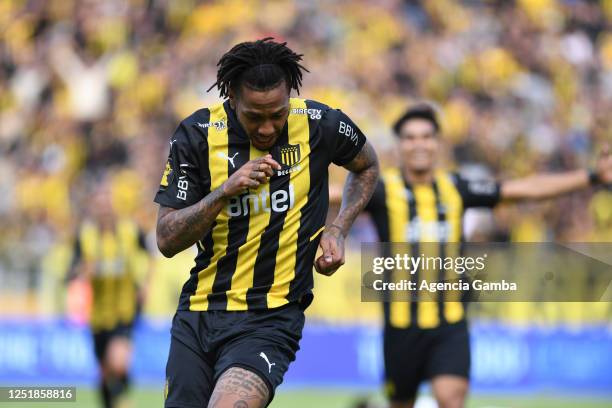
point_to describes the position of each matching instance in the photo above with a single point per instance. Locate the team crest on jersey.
(290, 154)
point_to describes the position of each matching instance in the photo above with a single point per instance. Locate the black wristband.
(594, 179)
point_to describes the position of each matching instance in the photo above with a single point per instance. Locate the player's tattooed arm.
(239, 388)
(358, 188)
(177, 230)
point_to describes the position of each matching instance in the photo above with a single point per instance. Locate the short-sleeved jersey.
(420, 215)
(260, 250)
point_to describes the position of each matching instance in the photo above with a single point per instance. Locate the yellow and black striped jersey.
(427, 216)
(260, 250)
(114, 256)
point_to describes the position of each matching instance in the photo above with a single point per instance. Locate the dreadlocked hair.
(259, 65)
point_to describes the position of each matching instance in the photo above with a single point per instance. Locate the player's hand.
(251, 175)
(604, 165)
(332, 245)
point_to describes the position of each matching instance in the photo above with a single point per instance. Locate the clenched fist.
(332, 244)
(251, 175)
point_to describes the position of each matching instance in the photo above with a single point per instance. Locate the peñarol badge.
(167, 177)
(290, 154)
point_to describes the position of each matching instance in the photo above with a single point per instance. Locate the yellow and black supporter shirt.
(260, 250)
(116, 259)
(427, 217)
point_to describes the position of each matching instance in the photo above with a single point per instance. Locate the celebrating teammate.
(419, 203)
(247, 181)
(110, 253)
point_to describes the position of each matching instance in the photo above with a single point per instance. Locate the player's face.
(262, 114)
(418, 144)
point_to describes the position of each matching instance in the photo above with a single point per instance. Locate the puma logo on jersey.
(229, 159)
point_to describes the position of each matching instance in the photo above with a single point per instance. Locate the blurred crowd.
(94, 89)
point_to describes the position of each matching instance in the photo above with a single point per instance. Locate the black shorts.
(102, 339)
(414, 355)
(205, 344)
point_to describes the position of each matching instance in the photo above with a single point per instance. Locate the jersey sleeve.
(478, 193)
(342, 137)
(183, 183)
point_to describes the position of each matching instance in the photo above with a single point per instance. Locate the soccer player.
(247, 181)
(417, 203)
(111, 253)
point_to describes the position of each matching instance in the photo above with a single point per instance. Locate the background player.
(110, 253)
(419, 203)
(247, 180)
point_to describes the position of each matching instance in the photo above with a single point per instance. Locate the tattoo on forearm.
(359, 186)
(179, 229)
(244, 385)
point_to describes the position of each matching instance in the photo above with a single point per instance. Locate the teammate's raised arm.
(542, 186)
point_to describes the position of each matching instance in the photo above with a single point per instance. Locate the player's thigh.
(450, 390)
(189, 376)
(239, 387)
